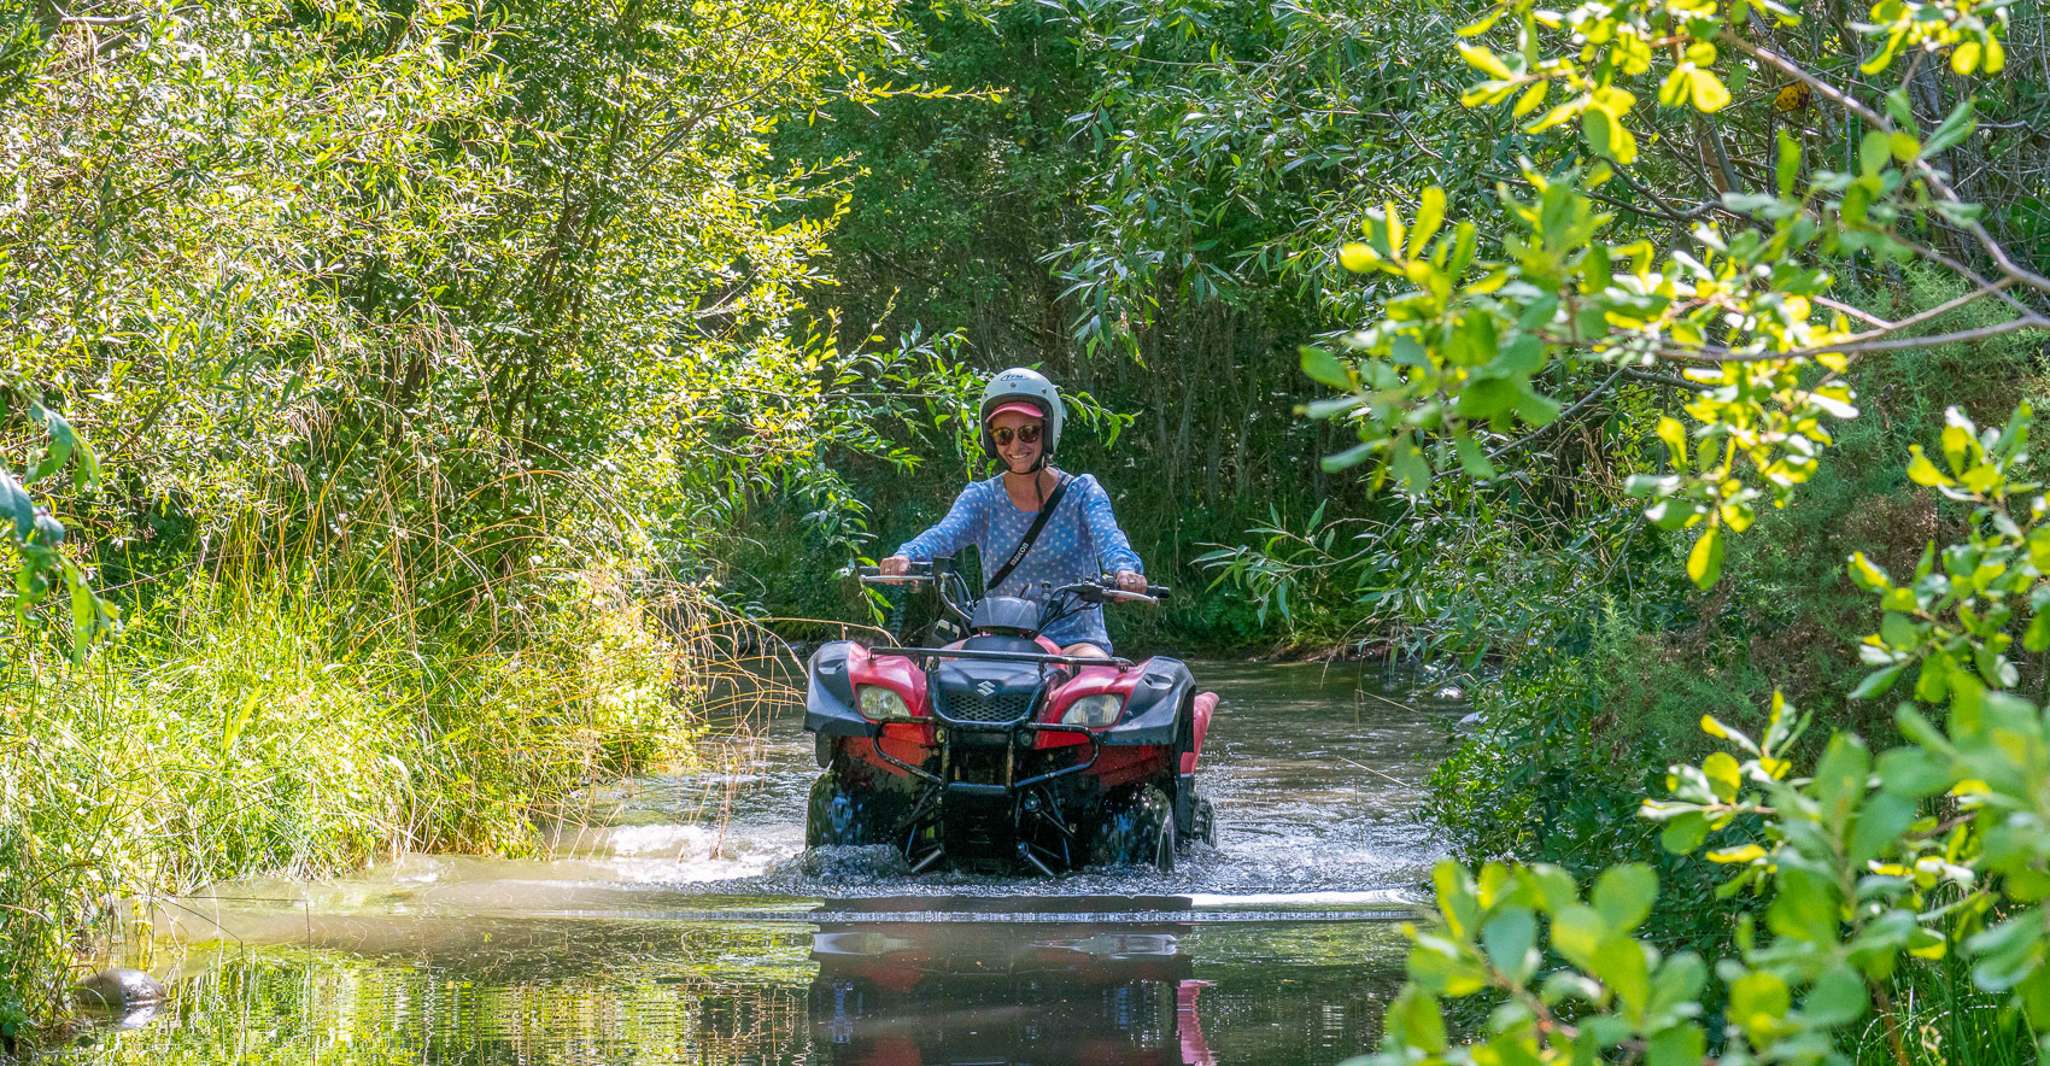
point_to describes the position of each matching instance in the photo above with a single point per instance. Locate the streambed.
(665, 934)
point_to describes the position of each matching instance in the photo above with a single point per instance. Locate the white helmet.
(1020, 385)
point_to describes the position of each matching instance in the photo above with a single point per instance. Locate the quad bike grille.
(968, 705)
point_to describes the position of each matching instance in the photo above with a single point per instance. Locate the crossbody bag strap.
(1031, 536)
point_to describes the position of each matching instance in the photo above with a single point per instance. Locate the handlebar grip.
(1159, 592)
(920, 570)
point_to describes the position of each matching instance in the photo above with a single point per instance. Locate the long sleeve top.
(1081, 540)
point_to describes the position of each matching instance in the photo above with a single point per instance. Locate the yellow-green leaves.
(1484, 60)
(1970, 30)
(1952, 622)
(1490, 937)
(1692, 82)
(1357, 257)
(1602, 124)
(1430, 216)
(1705, 559)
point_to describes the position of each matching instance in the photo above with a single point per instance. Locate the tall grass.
(1935, 1016)
(272, 727)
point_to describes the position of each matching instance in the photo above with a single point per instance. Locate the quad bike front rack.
(1028, 796)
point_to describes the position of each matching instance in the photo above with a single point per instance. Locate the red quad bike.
(997, 751)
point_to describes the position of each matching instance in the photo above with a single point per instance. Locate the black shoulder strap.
(1025, 543)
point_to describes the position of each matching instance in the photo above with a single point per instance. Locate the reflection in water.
(648, 938)
(571, 993)
(923, 994)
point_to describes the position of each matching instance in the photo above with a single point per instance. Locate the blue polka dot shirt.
(1081, 540)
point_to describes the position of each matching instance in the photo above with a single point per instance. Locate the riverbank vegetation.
(394, 378)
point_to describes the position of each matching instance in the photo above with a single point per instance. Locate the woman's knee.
(1085, 649)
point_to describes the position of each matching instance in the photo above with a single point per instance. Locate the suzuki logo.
(985, 689)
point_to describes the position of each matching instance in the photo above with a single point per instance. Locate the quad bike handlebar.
(1060, 601)
(1101, 589)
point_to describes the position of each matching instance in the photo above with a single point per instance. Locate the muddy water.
(685, 923)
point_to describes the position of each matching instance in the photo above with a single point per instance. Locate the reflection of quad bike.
(913, 993)
(997, 749)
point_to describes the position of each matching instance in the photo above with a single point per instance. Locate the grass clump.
(235, 730)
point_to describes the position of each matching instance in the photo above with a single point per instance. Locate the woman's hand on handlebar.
(895, 570)
(1131, 581)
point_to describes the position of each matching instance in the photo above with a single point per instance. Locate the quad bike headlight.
(879, 704)
(1094, 711)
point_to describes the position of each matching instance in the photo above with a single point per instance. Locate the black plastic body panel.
(829, 708)
(1153, 712)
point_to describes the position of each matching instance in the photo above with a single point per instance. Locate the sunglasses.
(1028, 433)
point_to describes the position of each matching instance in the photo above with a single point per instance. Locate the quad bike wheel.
(837, 818)
(1137, 830)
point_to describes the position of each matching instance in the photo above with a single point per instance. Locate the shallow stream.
(688, 924)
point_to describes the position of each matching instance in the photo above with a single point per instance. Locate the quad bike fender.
(1199, 727)
(1153, 710)
(837, 668)
(829, 707)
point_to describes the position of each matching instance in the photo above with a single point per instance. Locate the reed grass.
(267, 727)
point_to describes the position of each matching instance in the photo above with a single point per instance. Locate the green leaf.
(1351, 457)
(1683, 834)
(1414, 1020)
(1788, 166)
(1486, 398)
(1484, 60)
(1880, 825)
(1725, 777)
(1705, 560)
(1838, 997)
(1577, 931)
(1897, 106)
(1620, 963)
(1873, 151)
(1955, 128)
(1758, 1004)
(1878, 682)
(1536, 408)
(1410, 468)
(1430, 215)
(1681, 1045)
(1623, 895)
(1325, 368)
(1511, 942)
(1475, 461)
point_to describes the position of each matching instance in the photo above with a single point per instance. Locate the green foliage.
(230, 732)
(1744, 310)
(1863, 867)
(1865, 877)
(1958, 621)
(432, 356)
(36, 537)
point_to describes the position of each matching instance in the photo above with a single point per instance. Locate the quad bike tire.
(1138, 830)
(835, 817)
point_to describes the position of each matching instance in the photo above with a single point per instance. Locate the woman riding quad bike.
(1027, 741)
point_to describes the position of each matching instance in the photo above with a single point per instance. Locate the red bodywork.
(912, 741)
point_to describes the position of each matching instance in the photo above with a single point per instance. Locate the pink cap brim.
(1018, 406)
